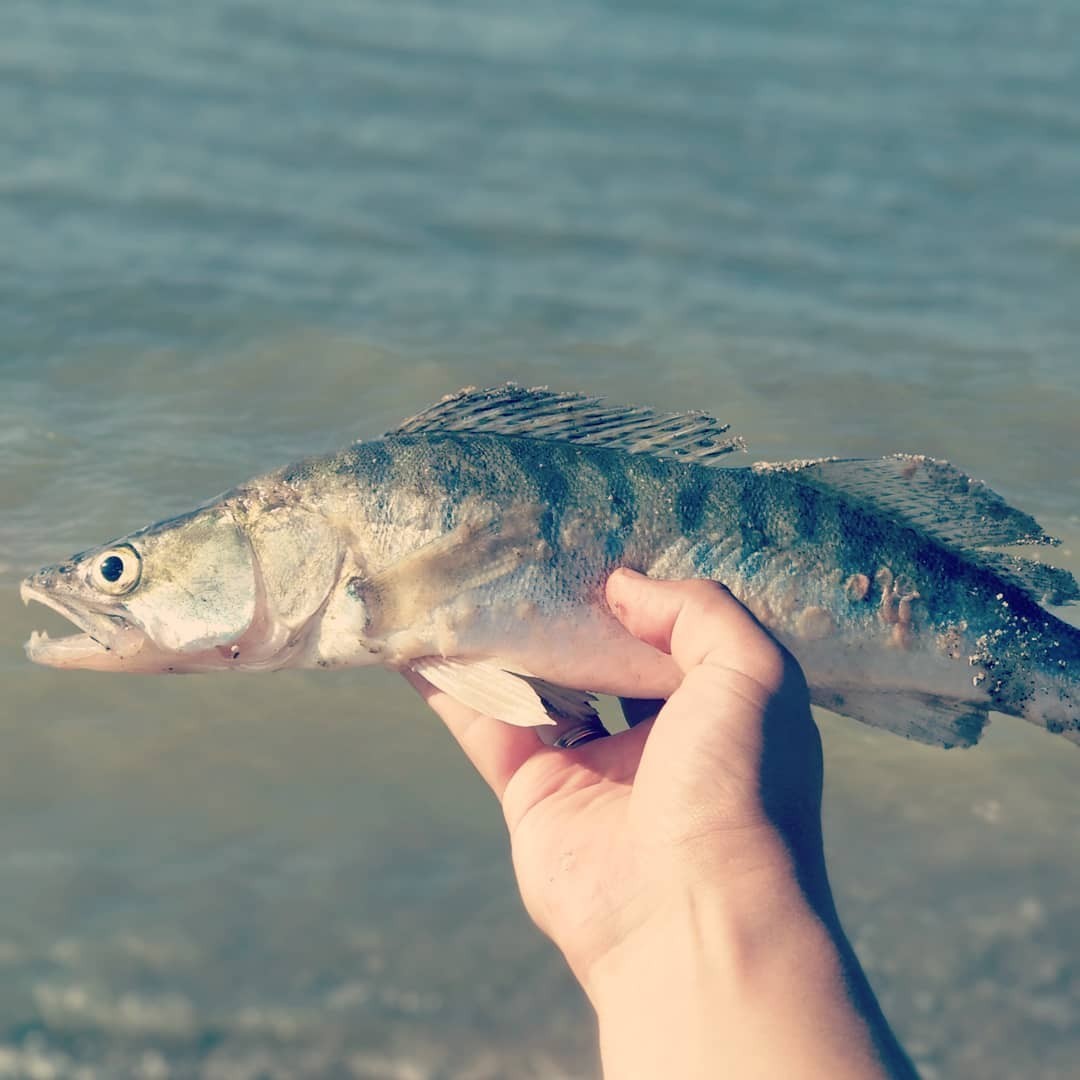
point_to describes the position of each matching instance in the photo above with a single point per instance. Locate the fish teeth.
(38, 636)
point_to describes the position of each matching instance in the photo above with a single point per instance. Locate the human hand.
(723, 786)
(679, 866)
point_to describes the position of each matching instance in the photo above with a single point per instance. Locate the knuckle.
(704, 598)
(706, 588)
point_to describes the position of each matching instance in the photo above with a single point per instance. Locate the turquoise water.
(233, 233)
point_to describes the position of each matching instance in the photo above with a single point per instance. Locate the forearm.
(717, 990)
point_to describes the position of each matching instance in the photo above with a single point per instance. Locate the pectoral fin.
(926, 718)
(514, 698)
(475, 553)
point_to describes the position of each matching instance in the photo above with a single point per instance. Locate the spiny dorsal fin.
(544, 414)
(940, 501)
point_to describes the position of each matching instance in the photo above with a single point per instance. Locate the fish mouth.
(105, 641)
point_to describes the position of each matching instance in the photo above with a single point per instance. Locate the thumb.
(736, 736)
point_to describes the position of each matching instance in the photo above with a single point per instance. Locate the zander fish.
(472, 544)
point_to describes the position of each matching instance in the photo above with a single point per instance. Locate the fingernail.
(620, 579)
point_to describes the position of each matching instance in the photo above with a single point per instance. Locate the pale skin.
(679, 865)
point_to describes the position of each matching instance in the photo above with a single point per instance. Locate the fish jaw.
(111, 643)
(107, 642)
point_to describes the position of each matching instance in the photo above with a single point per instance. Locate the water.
(234, 233)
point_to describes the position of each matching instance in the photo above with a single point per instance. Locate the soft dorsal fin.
(544, 414)
(932, 496)
(940, 501)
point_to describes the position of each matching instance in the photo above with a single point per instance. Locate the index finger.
(497, 750)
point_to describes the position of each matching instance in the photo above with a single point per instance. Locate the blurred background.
(233, 233)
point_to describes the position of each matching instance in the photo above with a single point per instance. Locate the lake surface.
(232, 233)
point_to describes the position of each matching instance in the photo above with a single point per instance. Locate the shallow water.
(234, 233)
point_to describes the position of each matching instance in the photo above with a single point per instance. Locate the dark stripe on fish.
(692, 501)
(369, 464)
(753, 522)
(622, 501)
(544, 472)
(450, 472)
(805, 506)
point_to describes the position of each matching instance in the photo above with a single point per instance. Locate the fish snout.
(46, 579)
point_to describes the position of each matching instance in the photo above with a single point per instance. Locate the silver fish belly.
(472, 545)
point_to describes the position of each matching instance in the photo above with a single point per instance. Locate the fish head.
(225, 586)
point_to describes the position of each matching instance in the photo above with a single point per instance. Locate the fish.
(471, 545)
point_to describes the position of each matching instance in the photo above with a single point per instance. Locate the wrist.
(752, 979)
(716, 928)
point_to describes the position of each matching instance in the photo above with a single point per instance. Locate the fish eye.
(117, 570)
